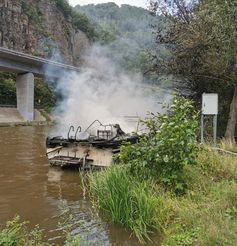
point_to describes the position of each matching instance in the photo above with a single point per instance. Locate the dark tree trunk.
(230, 129)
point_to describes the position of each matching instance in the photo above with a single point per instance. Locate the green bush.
(16, 234)
(128, 201)
(7, 89)
(44, 95)
(168, 148)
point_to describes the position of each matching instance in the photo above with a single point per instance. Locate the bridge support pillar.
(25, 95)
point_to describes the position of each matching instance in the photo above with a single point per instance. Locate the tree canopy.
(79, 20)
(201, 37)
(126, 34)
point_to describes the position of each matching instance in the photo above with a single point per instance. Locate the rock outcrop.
(39, 27)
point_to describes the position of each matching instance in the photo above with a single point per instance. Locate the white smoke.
(103, 91)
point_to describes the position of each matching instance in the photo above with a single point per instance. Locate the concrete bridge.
(26, 67)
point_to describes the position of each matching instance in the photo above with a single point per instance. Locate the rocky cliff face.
(38, 27)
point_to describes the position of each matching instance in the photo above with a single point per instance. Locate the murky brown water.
(37, 192)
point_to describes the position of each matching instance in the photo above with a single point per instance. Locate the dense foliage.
(44, 95)
(7, 89)
(79, 20)
(205, 215)
(17, 233)
(168, 148)
(125, 21)
(126, 35)
(201, 38)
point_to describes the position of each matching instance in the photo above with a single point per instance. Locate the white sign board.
(209, 103)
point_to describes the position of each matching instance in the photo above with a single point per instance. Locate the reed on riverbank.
(127, 200)
(206, 214)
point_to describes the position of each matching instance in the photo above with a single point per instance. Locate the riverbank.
(11, 117)
(30, 184)
(205, 215)
(169, 185)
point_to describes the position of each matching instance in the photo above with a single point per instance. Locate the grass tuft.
(129, 202)
(228, 145)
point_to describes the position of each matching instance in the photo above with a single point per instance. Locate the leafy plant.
(185, 237)
(169, 146)
(16, 233)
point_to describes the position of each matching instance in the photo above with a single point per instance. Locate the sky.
(139, 3)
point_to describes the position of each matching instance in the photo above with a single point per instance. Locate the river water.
(41, 194)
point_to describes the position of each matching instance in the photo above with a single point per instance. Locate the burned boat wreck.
(84, 150)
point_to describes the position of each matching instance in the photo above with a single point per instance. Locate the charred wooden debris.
(84, 150)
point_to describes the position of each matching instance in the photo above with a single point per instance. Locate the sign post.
(209, 107)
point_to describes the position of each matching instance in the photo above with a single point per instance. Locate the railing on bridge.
(18, 62)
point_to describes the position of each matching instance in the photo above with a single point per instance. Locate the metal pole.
(214, 129)
(202, 128)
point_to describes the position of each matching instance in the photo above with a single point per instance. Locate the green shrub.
(7, 89)
(183, 237)
(16, 234)
(44, 95)
(128, 201)
(168, 148)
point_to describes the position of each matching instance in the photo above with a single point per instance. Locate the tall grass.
(127, 201)
(205, 215)
(227, 144)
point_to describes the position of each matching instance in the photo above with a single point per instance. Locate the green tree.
(127, 33)
(79, 20)
(202, 39)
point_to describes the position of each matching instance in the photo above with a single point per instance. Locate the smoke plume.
(105, 92)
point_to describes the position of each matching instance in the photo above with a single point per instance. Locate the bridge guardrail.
(15, 106)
